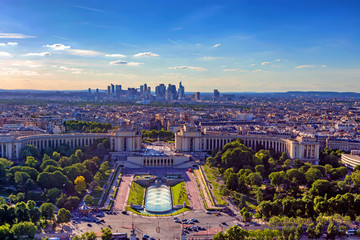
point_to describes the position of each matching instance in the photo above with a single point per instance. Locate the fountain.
(158, 198)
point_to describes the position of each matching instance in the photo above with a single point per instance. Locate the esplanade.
(187, 140)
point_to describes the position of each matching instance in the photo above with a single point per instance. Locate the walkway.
(123, 193)
(193, 191)
(203, 188)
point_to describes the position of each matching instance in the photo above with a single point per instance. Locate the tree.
(220, 236)
(332, 231)
(295, 176)
(47, 210)
(80, 184)
(88, 199)
(22, 212)
(24, 229)
(236, 233)
(52, 194)
(106, 234)
(255, 179)
(21, 177)
(232, 181)
(5, 232)
(33, 211)
(318, 230)
(260, 169)
(277, 178)
(30, 150)
(71, 203)
(321, 187)
(31, 161)
(47, 163)
(312, 175)
(63, 216)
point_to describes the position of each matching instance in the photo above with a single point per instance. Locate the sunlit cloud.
(57, 46)
(17, 71)
(2, 44)
(216, 45)
(115, 55)
(41, 54)
(277, 60)
(83, 52)
(8, 44)
(14, 36)
(146, 54)
(323, 66)
(265, 63)
(121, 62)
(252, 65)
(189, 67)
(257, 70)
(89, 9)
(234, 70)
(305, 66)
(5, 54)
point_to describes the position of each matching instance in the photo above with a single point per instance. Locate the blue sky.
(258, 45)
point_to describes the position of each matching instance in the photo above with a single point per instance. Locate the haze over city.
(233, 46)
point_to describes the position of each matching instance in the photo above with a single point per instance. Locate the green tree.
(24, 229)
(88, 199)
(236, 233)
(47, 210)
(5, 233)
(52, 194)
(106, 234)
(321, 187)
(312, 175)
(332, 231)
(63, 216)
(220, 236)
(277, 178)
(31, 161)
(232, 181)
(80, 184)
(255, 179)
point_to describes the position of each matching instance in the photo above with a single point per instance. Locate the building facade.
(122, 139)
(191, 139)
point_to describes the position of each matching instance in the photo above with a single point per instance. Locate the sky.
(233, 46)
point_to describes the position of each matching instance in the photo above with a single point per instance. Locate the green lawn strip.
(211, 175)
(113, 177)
(97, 193)
(162, 215)
(136, 194)
(207, 189)
(180, 194)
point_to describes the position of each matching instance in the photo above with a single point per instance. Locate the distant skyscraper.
(197, 96)
(97, 91)
(112, 89)
(118, 92)
(160, 91)
(171, 92)
(108, 90)
(89, 90)
(216, 94)
(181, 91)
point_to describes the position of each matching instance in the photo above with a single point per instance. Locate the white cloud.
(190, 68)
(17, 71)
(305, 66)
(41, 54)
(2, 44)
(5, 54)
(216, 45)
(265, 63)
(14, 35)
(82, 52)
(146, 54)
(121, 62)
(277, 60)
(115, 55)
(57, 46)
(12, 43)
(253, 64)
(234, 70)
(208, 58)
(323, 66)
(257, 70)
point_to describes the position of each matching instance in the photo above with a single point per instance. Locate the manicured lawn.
(97, 193)
(212, 175)
(136, 194)
(180, 194)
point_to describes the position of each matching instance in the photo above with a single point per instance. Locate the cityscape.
(179, 120)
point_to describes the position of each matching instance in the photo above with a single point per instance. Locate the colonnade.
(158, 162)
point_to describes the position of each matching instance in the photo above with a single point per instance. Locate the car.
(184, 220)
(195, 220)
(102, 220)
(202, 228)
(146, 236)
(152, 238)
(208, 212)
(176, 218)
(224, 223)
(177, 221)
(190, 222)
(89, 225)
(124, 212)
(188, 228)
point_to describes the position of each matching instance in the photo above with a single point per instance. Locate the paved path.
(123, 193)
(193, 191)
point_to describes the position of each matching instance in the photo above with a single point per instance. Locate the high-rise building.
(197, 96)
(118, 92)
(112, 89)
(89, 91)
(181, 91)
(160, 91)
(216, 95)
(97, 91)
(108, 90)
(171, 93)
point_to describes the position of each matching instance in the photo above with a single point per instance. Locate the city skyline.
(233, 46)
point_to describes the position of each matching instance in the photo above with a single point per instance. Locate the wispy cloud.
(209, 58)
(323, 66)
(121, 62)
(63, 38)
(14, 35)
(41, 54)
(190, 68)
(277, 60)
(234, 70)
(17, 71)
(5, 54)
(8, 44)
(252, 65)
(305, 66)
(2, 44)
(257, 70)
(177, 29)
(57, 46)
(216, 45)
(173, 42)
(146, 54)
(265, 63)
(115, 55)
(89, 9)
(84, 53)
